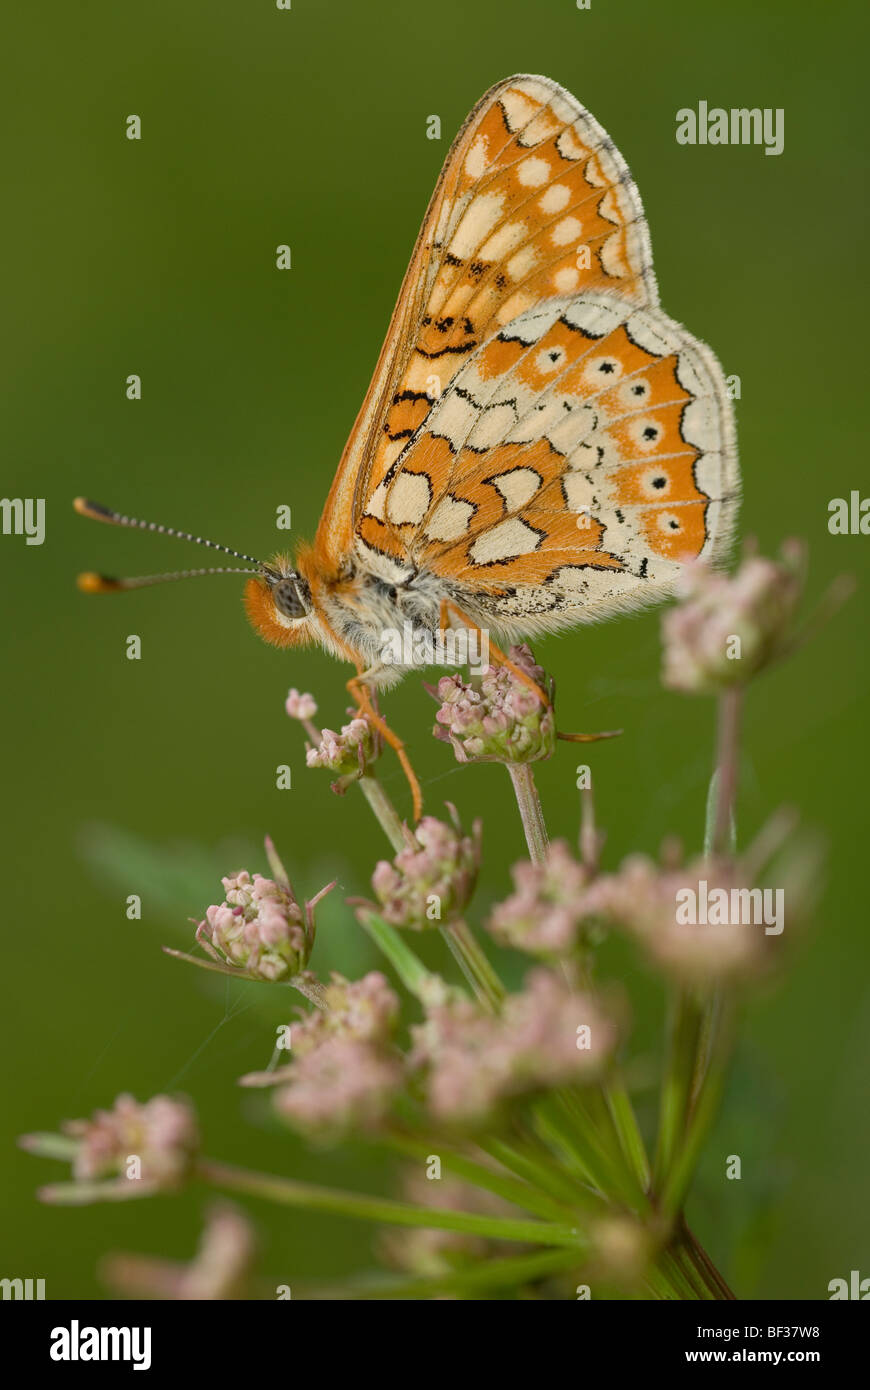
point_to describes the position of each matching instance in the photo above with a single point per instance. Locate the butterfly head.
(278, 604)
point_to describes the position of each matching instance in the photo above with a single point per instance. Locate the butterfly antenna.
(91, 583)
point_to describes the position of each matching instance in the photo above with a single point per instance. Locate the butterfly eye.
(292, 596)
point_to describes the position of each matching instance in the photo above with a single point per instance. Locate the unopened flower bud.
(346, 753)
(300, 706)
(259, 928)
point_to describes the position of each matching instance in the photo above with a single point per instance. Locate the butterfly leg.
(498, 655)
(361, 693)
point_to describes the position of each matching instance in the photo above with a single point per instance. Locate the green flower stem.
(474, 964)
(628, 1130)
(384, 810)
(536, 1165)
(288, 1192)
(670, 1265)
(701, 1261)
(720, 840)
(520, 1194)
(530, 810)
(511, 1272)
(579, 1148)
(687, 1023)
(680, 1172)
(660, 1286)
(407, 965)
(619, 1106)
(591, 1128)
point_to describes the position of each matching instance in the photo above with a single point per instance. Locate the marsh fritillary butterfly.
(541, 445)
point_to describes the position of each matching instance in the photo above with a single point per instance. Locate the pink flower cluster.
(497, 717)
(550, 903)
(429, 883)
(161, 1133)
(545, 1035)
(344, 753)
(259, 928)
(345, 1070)
(727, 627)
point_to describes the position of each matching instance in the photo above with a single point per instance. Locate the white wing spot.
(502, 242)
(517, 108)
(475, 160)
(566, 279)
(375, 507)
(566, 231)
(504, 541)
(568, 145)
(408, 500)
(549, 359)
(555, 199)
(518, 486)
(533, 172)
(481, 215)
(449, 520)
(521, 265)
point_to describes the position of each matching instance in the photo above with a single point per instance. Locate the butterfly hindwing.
(575, 463)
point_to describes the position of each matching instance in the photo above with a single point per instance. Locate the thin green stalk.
(671, 1268)
(719, 840)
(628, 1130)
(410, 969)
(536, 1165)
(590, 1127)
(681, 1170)
(384, 810)
(531, 814)
(474, 964)
(288, 1192)
(519, 1193)
(685, 1031)
(696, 1253)
(510, 1272)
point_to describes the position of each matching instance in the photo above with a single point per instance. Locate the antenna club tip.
(91, 583)
(85, 507)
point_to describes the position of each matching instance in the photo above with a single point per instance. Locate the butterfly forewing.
(534, 202)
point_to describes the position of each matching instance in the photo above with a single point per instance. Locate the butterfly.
(540, 446)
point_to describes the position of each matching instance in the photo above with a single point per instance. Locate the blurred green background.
(157, 257)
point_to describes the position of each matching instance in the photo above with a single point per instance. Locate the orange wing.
(534, 202)
(577, 461)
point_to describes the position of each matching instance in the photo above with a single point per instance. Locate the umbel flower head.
(692, 920)
(345, 1071)
(498, 716)
(132, 1150)
(346, 753)
(259, 931)
(550, 903)
(258, 928)
(545, 1035)
(430, 882)
(726, 628)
